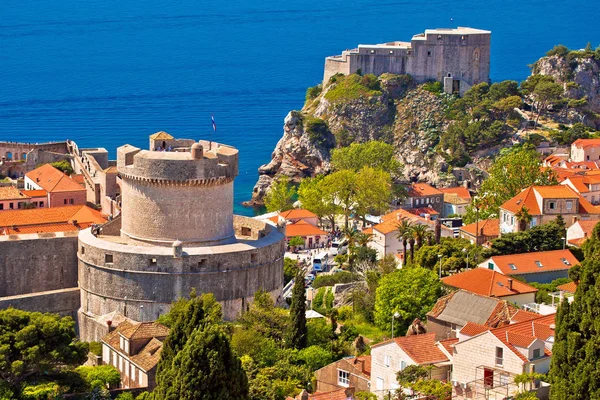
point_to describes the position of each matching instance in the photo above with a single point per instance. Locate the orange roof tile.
(49, 219)
(420, 348)
(53, 180)
(578, 184)
(297, 213)
(527, 198)
(487, 282)
(529, 263)
(460, 191)
(523, 315)
(161, 135)
(422, 210)
(274, 218)
(391, 220)
(587, 226)
(302, 228)
(473, 329)
(338, 394)
(490, 227)
(570, 287)
(368, 231)
(35, 193)
(448, 344)
(11, 193)
(555, 192)
(518, 334)
(586, 143)
(422, 189)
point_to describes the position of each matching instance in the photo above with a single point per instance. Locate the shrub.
(330, 280)
(317, 129)
(63, 166)
(313, 92)
(344, 313)
(96, 348)
(354, 87)
(434, 87)
(125, 396)
(558, 50)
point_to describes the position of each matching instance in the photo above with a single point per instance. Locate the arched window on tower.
(9, 156)
(476, 55)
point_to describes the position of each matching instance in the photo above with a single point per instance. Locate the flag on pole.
(214, 124)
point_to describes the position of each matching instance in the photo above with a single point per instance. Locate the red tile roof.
(527, 331)
(422, 210)
(422, 189)
(491, 227)
(35, 193)
(460, 191)
(526, 263)
(586, 143)
(473, 329)
(302, 228)
(420, 348)
(297, 213)
(527, 198)
(488, 283)
(11, 193)
(56, 219)
(53, 180)
(390, 221)
(448, 344)
(523, 315)
(570, 287)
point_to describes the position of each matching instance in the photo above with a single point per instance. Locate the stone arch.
(9, 156)
(476, 54)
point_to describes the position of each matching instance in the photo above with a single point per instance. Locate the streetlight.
(564, 239)
(440, 257)
(396, 315)
(465, 251)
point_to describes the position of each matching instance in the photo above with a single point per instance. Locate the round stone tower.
(176, 231)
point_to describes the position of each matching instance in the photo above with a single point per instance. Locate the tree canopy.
(281, 195)
(33, 344)
(510, 173)
(411, 292)
(574, 368)
(374, 154)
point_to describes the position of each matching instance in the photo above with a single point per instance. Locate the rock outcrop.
(581, 79)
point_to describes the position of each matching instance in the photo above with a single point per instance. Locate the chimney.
(510, 281)
(74, 222)
(110, 327)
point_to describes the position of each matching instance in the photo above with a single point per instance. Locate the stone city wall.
(64, 302)
(37, 263)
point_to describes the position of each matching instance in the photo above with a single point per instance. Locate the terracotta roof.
(570, 287)
(143, 330)
(391, 220)
(577, 242)
(422, 210)
(148, 357)
(365, 363)
(79, 178)
(420, 348)
(527, 198)
(49, 219)
(585, 143)
(302, 228)
(368, 231)
(11, 193)
(488, 283)
(473, 329)
(53, 180)
(297, 213)
(527, 331)
(578, 184)
(531, 263)
(161, 136)
(587, 226)
(274, 219)
(448, 344)
(491, 227)
(422, 189)
(35, 193)
(460, 191)
(338, 394)
(523, 315)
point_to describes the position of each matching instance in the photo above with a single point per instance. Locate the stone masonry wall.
(37, 263)
(64, 302)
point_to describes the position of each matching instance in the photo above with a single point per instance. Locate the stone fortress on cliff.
(176, 231)
(459, 58)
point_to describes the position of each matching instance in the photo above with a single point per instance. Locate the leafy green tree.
(296, 242)
(206, 368)
(298, 334)
(32, 344)
(64, 166)
(315, 357)
(102, 375)
(40, 391)
(281, 195)
(539, 238)
(411, 292)
(290, 269)
(546, 93)
(314, 197)
(341, 186)
(374, 154)
(574, 367)
(568, 136)
(265, 319)
(509, 174)
(373, 191)
(125, 396)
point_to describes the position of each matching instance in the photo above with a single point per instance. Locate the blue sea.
(105, 73)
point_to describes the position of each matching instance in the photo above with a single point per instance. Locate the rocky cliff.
(391, 109)
(579, 72)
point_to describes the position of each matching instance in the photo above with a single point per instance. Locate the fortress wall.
(335, 66)
(18, 149)
(37, 263)
(173, 212)
(64, 302)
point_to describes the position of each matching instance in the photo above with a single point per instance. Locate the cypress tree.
(575, 367)
(299, 331)
(207, 369)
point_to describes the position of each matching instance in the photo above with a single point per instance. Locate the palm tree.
(363, 239)
(351, 235)
(404, 229)
(524, 218)
(420, 232)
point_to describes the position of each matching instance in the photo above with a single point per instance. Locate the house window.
(565, 261)
(379, 383)
(536, 353)
(1, 206)
(513, 267)
(108, 258)
(65, 201)
(387, 360)
(152, 261)
(503, 379)
(538, 263)
(122, 343)
(499, 356)
(132, 372)
(246, 231)
(41, 204)
(437, 200)
(552, 205)
(11, 206)
(429, 53)
(490, 265)
(202, 263)
(569, 205)
(402, 365)
(512, 220)
(343, 378)
(253, 258)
